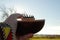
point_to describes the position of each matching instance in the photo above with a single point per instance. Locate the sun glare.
(19, 9)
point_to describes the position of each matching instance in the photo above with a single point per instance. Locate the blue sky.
(41, 9)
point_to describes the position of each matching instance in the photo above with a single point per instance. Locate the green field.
(46, 37)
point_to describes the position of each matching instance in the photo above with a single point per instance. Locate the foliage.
(5, 12)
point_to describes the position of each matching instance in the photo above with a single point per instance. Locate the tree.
(5, 12)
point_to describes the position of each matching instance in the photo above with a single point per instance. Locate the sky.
(41, 9)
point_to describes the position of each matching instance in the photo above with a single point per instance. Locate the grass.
(49, 37)
(45, 39)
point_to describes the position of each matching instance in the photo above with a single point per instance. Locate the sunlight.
(19, 9)
(22, 10)
(19, 19)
